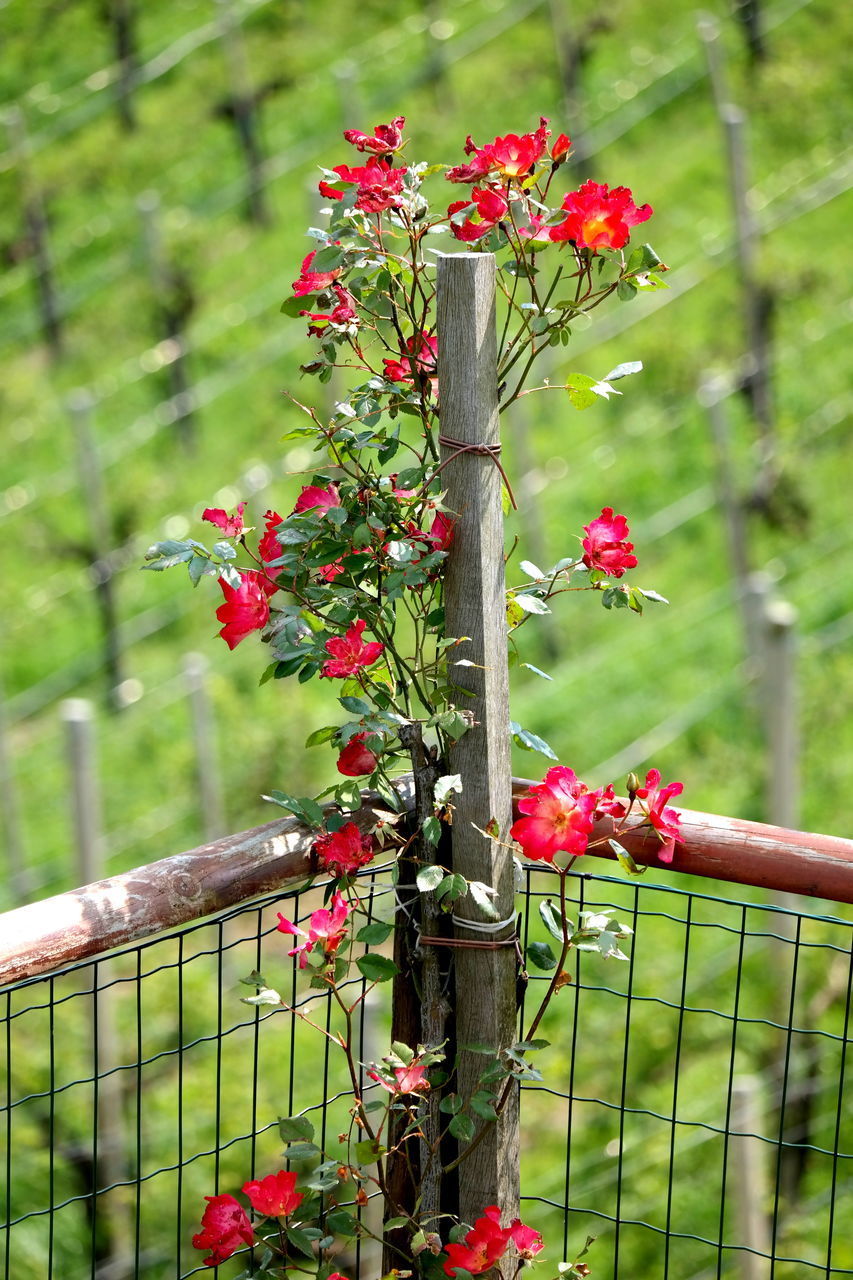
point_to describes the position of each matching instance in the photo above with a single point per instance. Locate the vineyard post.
(244, 111)
(485, 993)
(174, 297)
(35, 218)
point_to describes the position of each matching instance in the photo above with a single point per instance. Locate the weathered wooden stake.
(100, 525)
(571, 48)
(476, 609)
(176, 301)
(747, 1163)
(122, 18)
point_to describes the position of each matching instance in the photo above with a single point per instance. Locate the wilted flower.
(231, 526)
(387, 138)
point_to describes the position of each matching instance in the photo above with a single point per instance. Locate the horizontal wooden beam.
(163, 895)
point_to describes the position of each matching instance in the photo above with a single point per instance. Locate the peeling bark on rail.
(164, 895)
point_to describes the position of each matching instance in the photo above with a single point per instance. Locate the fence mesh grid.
(691, 1113)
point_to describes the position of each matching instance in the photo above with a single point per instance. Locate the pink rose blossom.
(605, 546)
(231, 526)
(328, 927)
(666, 822)
(559, 814)
(410, 1079)
(313, 497)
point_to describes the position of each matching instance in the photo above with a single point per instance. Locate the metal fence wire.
(691, 1114)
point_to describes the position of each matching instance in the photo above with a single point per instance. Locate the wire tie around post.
(492, 451)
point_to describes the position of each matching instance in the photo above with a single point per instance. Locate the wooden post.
(756, 299)
(476, 607)
(747, 1163)
(122, 18)
(243, 109)
(780, 619)
(100, 525)
(570, 49)
(35, 219)
(203, 730)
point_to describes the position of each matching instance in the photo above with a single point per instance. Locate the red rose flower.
(490, 209)
(666, 822)
(599, 218)
(421, 355)
(231, 526)
(328, 927)
(340, 317)
(605, 546)
(225, 1226)
(487, 1242)
(379, 185)
(559, 816)
(441, 532)
(349, 653)
(342, 852)
(512, 156)
(328, 572)
(560, 148)
(313, 281)
(314, 497)
(357, 759)
(274, 1196)
(246, 608)
(387, 138)
(269, 547)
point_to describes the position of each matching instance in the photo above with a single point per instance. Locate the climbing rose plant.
(348, 588)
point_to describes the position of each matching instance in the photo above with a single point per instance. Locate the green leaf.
(450, 1105)
(540, 955)
(266, 995)
(431, 828)
(462, 1127)
(643, 258)
(531, 603)
(368, 1151)
(625, 860)
(362, 535)
(373, 935)
(356, 706)
(321, 735)
(403, 1052)
(328, 259)
(377, 968)
(579, 387)
(530, 667)
(626, 290)
(530, 741)
(483, 1105)
(300, 1240)
(295, 1129)
(292, 307)
(551, 919)
(299, 1151)
(528, 567)
(342, 1223)
(391, 1224)
(652, 595)
(452, 887)
(429, 878)
(482, 895)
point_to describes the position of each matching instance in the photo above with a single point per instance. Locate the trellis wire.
(643, 1061)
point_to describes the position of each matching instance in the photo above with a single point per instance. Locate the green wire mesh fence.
(691, 1114)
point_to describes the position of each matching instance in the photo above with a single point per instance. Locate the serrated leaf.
(295, 1128)
(355, 706)
(482, 895)
(452, 887)
(299, 1151)
(483, 1105)
(431, 827)
(451, 1105)
(373, 935)
(652, 595)
(532, 571)
(377, 968)
(625, 860)
(531, 603)
(403, 1052)
(300, 1240)
(579, 387)
(540, 955)
(321, 735)
(341, 1223)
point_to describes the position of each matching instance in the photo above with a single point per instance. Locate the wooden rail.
(163, 895)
